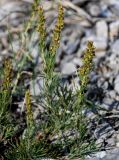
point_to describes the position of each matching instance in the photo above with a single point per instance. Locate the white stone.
(68, 68)
(117, 144)
(94, 9)
(101, 154)
(100, 54)
(115, 47)
(112, 94)
(102, 29)
(85, 23)
(111, 142)
(114, 29)
(77, 61)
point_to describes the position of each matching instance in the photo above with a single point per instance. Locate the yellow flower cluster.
(29, 108)
(35, 5)
(57, 30)
(87, 63)
(41, 25)
(8, 73)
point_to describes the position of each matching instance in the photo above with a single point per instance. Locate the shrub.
(62, 132)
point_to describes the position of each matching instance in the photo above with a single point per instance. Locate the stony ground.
(84, 20)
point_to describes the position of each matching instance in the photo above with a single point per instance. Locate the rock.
(117, 139)
(99, 142)
(112, 94)
(77, 62)
(117, 136)
(112, 154)
(103, 131)
(101, 154)
(97, 156)
(101, 83)
(94, 9)
(116, 84)
(105, 155)
(13, 7)
(89, 114)
(85, 23)
(100, 54)
(111, 142)
(102, 29)
(108, 104)
(117, 144)
(68, 68)
(115, 9)
(115, 47)
(113, 30)
(112, 62)
(71, 47)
